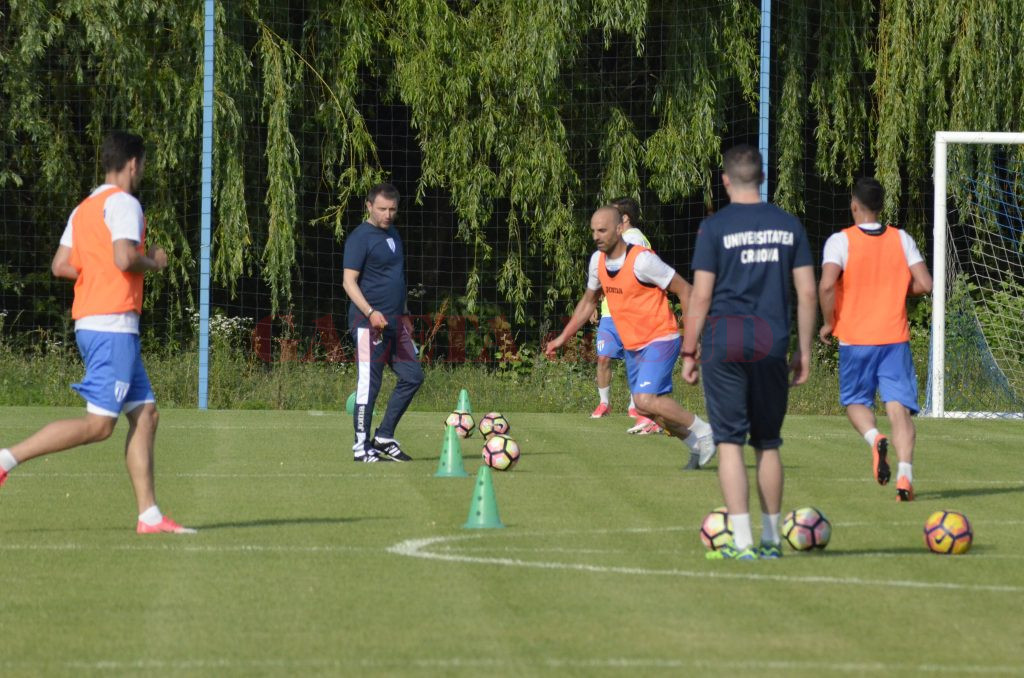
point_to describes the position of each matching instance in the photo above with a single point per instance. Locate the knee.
(415, 378)
(644, 402)
(100, 428)
(148, 416)
(152, 417)
(604, 362)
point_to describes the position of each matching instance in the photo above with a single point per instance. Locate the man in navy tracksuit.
(374, 279)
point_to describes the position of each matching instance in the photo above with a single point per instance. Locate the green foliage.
(512, 104)
(838, 90)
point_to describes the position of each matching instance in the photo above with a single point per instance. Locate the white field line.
(178, 545)
(272, 476)
(519, 663)
(422, 548)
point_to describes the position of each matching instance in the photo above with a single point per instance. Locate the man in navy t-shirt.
(744, 261)
(374, 279)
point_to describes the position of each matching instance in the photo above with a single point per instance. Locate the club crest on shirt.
(391, 244)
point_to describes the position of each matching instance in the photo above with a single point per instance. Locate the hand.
(159, 257)
(691, 373)
(595, 317)
(551, 350)
(377, 320)
(800, 366)
(825, 334)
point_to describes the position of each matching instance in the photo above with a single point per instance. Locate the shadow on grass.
(279, 522)
(860, 553)
(970, 492)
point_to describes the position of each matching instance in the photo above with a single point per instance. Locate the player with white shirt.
(609, 344)
(103, 250)
(635, 281)
(868, 271)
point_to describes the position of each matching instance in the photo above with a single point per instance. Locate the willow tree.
(523, 114)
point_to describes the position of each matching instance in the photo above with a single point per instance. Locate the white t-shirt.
(648, 267)
(837, 247)
(122, 213)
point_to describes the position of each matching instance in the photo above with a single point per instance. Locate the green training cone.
(463, 405)
(450, 463)
(483, 509)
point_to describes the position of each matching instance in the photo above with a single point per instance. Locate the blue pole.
(206, 209)
(764, 110)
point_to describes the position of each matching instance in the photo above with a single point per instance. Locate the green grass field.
(308, 564)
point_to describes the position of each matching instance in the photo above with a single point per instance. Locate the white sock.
(700, 427)
(870, 436)
(905, 470)
(603, 393)
(151, 516)
(770, 528)
(691, 441)
(7, 460)
(632, 403)
(742, 538)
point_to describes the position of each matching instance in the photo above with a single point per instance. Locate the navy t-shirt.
(378, 255)
(751, 249)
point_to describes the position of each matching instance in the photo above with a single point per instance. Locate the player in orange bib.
(103, 251)
(868, 271)
(635, 281)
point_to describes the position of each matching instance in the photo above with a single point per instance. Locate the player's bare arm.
(682, 289)
(697, 308)
(920, 279)
(128, 259)
(584, 308)
(350, 282)
(830, 273)
(61, 265)
(806, 316)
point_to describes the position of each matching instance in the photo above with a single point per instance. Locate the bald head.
(606, 228)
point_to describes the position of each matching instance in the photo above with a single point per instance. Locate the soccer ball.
(493, 422)
(463, 423)
(806, 528)
(501, 452)
(716, 530)
(948, 533)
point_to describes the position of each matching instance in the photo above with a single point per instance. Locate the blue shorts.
(649, 369)
(115, 379)
(609, 345)
(888, 369)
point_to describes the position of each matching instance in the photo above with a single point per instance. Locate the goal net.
(976, 365)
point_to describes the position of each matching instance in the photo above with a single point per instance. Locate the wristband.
(370, 312)
(689, 354)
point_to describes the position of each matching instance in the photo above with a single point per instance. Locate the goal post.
(978, 293)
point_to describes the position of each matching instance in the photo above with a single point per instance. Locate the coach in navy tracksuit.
(374, 279)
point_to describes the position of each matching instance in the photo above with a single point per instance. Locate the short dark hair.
(742, 164)
(387, 190)
(118, 148)
(869, 193)
(627, 208)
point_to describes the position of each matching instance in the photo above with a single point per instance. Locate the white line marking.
(519, 662)
(420, 548)
(558, 477)
(179, 545)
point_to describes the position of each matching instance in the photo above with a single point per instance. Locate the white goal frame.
(937, 359)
